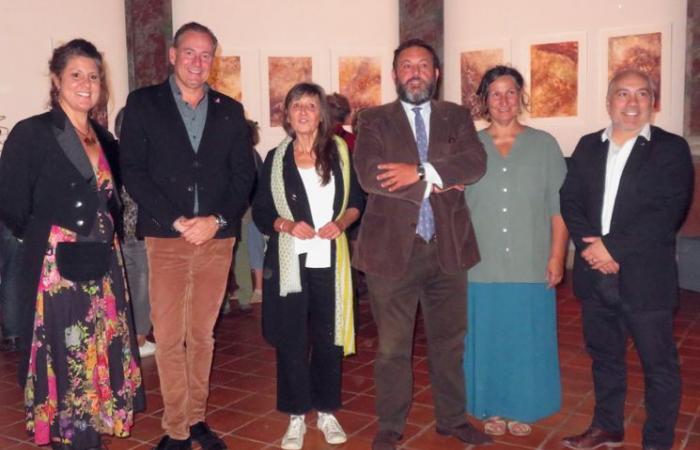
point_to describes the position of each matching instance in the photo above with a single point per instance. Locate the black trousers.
(607, 322)
(10, 271)
(309, 364)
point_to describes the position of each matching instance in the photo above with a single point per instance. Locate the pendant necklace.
(88, 138)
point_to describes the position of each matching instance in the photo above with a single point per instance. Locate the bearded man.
(413, 157)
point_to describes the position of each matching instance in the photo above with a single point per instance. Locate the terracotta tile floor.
(242, 402)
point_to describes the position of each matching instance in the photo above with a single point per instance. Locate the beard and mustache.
(418, 96)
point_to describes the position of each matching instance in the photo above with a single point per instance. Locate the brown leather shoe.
(466, 433)
(386, 440)
(593, 438)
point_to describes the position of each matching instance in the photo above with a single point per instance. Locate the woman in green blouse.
(511, 362)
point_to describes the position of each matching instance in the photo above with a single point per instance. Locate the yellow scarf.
(344, 320)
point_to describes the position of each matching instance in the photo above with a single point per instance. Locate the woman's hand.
(331, 230)
(301, 229)
(555, 271)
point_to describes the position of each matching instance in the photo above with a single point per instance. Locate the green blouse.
(512, 207)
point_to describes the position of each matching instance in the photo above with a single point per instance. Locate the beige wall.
(320, 28)
(326, 28)
(472, 25)
(30, 29)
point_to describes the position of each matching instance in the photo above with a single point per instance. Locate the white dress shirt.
(617, 158)
(431, 175)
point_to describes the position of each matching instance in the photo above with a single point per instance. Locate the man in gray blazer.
(416, 242)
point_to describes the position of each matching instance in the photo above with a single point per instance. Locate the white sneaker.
(331, 429)
(147, 349)
(294, 437)
(256, 297)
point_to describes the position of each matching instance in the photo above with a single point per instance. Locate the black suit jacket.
(279, 329)
(652, 200)
(46, 179)
(161, 169)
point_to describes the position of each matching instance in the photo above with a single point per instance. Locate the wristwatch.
(420, 168)
(220, 221)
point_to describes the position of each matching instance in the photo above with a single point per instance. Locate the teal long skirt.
(511, 362)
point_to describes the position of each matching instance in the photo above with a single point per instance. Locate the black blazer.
(652, 200)
(161, 169)
(275, 325)
(46, 179)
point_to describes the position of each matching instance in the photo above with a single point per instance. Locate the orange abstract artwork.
(473, 65)
(554, 79)
(639, 51)
(225, 76)
(360, 80)
(284, 72)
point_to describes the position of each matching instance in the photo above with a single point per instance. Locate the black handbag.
(83, 261)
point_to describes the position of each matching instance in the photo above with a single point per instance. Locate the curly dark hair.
(416, 43)
(59, 60)
(339, 107)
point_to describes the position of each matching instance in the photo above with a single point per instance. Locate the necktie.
(426, 221)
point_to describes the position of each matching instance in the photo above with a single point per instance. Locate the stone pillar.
(423, 19)
(149, 28)
(691, 125)
(691, 117)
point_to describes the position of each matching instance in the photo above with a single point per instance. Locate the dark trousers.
(607, 323)
(443, 301)
(136, 268)
(10, 305)
(309, 364)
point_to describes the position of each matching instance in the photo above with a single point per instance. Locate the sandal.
(495, 426)
(518, 428)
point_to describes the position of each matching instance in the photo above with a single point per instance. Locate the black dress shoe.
(201, 433)
(593, 438)
(60, 446)
(10, 344)
(168, 443)
(466, 433)
(386, 440)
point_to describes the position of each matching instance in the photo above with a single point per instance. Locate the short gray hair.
(196, 27)
(623, 73)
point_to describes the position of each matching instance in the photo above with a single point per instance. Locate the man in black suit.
(625, 195)
(187, 162)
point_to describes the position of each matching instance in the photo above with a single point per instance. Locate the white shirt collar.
(408, 107)
(645, 132)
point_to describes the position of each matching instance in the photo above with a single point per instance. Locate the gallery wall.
(323, 30)
(515, 26)
(30, 29)
(328, 30)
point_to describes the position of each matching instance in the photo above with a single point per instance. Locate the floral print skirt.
(84, 378)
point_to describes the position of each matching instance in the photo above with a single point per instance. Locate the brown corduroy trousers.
(186, 287)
